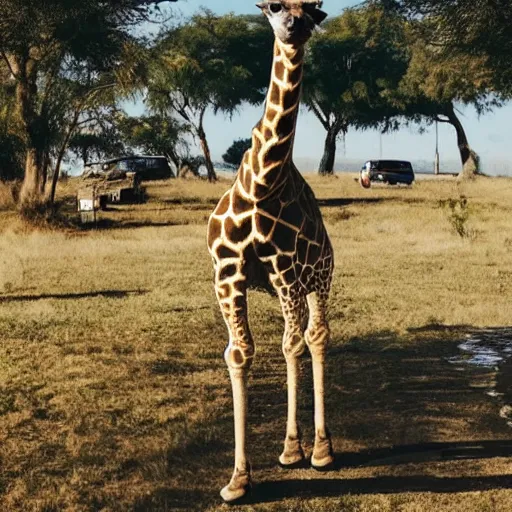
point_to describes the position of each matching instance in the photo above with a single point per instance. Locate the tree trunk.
(44, 173)
(30, 192)
(212, 175)
(56, 173)
(469, 159)
(326, 167)
(25, 70)
(60, 156)
(173, 157)
(85, 154)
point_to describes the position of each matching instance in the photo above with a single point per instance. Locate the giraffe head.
(293, 21)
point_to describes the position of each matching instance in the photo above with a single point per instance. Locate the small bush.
(43, 214)
(341, 215)
(458, 215)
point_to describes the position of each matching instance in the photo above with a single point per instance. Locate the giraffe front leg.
(241, 480)
(293, 347)
(238, 356)
(317, 336)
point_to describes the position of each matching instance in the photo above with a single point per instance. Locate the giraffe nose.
(295, 23)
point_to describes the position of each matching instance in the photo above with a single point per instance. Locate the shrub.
(458, 214)
(44, 214)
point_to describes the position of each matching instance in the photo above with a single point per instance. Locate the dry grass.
(114, 395)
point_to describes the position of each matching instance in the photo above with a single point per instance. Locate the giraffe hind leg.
(294, 311)
(317, 337)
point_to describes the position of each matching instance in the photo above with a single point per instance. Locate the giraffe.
(267, 231)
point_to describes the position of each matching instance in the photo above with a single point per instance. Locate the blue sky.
(489, 135)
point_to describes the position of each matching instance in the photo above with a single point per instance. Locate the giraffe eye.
(275, 8)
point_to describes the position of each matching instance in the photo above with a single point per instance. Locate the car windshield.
(393, 164)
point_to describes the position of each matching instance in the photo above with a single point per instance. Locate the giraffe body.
(278, 243)
(267, 232)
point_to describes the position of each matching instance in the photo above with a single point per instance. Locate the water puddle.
(491, 349)
(487, 348)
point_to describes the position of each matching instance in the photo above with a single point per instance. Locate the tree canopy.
(436, 82)
(480, 28)
(203, 65)
(157, 135)
(349, 69)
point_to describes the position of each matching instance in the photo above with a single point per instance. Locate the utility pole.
(436, 161)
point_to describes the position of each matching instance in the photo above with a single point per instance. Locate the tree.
(96, 145)
(436, 81)
(210, 63)
(157, 135)
(234, 154)
(83, 106)
(44, 43)
(480, 28)
(11, 146)
(350, 68)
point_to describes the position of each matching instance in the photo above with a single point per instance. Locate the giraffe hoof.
(323, 466)
(239, 486)
(293, 455)
(323, 454)
(235, 496)
(298, 464)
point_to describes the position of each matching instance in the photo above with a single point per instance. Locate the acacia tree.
(480, 28)
(40, 42)
(437, 81)
(350, 67)
(210, 63)
(98, 136)
(157, 135)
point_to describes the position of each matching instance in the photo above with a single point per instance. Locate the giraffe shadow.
(404, 392)
(424, 452)
(108, 294)
(347, 201)
(110, 224)
(401, 399)
(275, 491)
(208, 202)
(398, 397)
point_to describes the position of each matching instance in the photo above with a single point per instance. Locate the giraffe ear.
(317, 15)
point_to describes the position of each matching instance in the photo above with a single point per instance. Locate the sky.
(489, 135)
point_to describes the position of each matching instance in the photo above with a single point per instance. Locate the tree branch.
(319, 114)
(11, 70)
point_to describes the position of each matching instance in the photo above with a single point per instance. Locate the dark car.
(388, 171)
(146, 167)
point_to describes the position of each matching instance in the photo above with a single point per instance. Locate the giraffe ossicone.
(267, 231)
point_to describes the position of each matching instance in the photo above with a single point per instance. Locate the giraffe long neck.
(265, 164)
